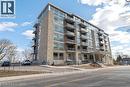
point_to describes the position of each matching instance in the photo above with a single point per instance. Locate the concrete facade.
(63, 38)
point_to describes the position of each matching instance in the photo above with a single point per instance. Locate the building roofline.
(50, 4)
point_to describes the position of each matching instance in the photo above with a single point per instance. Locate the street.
(110, 77)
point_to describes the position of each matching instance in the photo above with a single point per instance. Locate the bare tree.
(7, 49)
(27, 53)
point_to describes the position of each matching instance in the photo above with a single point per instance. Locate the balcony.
(36, 25)
(101, 44)
(105, 40)
(35, 32)
(84, 50)
(83, 30)
(34, 45)
(84, 44)
(70, 49)
(69, 26)
(70, 41)
(69, 20)
(100, 33)
(82, 25)
(70, 33)
(100, 39)
(34, 39)
(83, 37)
(101, 49)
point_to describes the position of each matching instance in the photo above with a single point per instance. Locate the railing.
(82, 25)
(83, 30)
(84, 50)
(71, 49)
(83, 37)
(101, 44)
(69, 40)
(84, 43)
(70, 33)
(101, 49)
(69, 26)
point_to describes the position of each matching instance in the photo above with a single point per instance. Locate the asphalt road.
(117, 77)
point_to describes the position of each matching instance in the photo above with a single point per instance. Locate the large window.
(58, 20)
(55, 55)
(61, 46)
(61, 56)
(57, 12)
(58, 46)
(58, 28)
(58, 56)
(58, 37)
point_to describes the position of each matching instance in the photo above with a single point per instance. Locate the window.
(58, 37)
(78, 41)
(57, 12)
(61, 56)
(55, 55)
(58, 28)
(58, 20)
(55, 46)
(58, 56)
(61, 46)
(58, 46)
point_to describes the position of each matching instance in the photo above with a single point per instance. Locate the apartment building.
(65, 38)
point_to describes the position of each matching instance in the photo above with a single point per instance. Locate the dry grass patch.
(7, 73)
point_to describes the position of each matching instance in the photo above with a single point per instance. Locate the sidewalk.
(49, 74)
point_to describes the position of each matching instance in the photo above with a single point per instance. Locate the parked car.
(5, 63)
(26, 62)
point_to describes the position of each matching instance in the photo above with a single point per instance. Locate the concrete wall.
(50, 40)
(42, 52)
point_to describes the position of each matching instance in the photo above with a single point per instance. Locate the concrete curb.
(3, 79)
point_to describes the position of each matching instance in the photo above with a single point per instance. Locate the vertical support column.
(88, 57)
(94, 59)
(99, 55)
(65, 58)
(77, 58)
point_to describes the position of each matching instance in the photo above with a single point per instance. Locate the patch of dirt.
(7, 73)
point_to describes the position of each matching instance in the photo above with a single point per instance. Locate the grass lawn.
(7, 73)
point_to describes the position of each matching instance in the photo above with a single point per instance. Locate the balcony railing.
(70, 49)
(100, 33)
(70, 41)
(84, 50)
(35, 32)
(70, 33)
(101, 44)
(34, 45)
(70, 26)
(82, 25)
(83, 37)
(34, 38)
(36, 25)
(101, 49)
(83, 30)
(84, 44)
(69, 20)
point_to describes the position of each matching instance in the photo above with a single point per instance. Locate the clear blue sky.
(16, 29)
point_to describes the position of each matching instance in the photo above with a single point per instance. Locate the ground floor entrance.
(70, 58)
